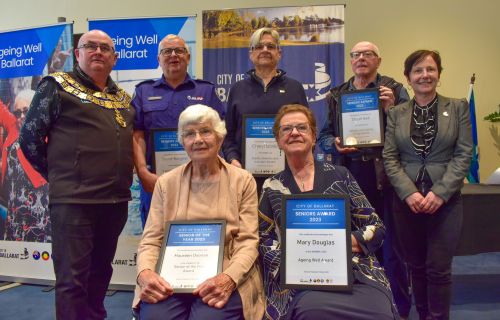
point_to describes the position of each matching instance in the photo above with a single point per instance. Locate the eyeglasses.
(288, 128)
(268, 45)
(92, 47)
(168, 51)
(367, 54)
(203, 132)
(18, 113)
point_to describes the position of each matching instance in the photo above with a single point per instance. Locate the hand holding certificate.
(216, 291)
(361, 123)
(191, 253)
(153, 287)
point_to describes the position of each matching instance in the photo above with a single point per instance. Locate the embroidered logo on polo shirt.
(194, 98)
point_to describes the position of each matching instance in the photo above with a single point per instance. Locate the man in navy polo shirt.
(158, 104)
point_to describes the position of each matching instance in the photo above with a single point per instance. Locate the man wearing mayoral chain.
(78, 135)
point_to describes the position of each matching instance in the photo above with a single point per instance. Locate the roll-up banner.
(136, 42)
(26, 56)
(311, 40)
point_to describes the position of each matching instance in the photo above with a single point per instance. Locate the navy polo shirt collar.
(162, 82)
(372, 84)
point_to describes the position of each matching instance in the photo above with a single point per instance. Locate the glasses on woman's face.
(203, 132)
(269, 45)
(288, 128)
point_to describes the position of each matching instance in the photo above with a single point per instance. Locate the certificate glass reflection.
(261, 154)
(168, 153)
(316, 250)
(361, 123)
(192, 252)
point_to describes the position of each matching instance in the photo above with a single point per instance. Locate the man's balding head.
(365, 59)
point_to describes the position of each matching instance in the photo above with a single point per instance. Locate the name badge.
(154, 98)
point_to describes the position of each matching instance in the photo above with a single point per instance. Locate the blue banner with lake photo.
(311, 39)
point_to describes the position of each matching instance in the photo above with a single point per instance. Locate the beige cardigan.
(237, 205)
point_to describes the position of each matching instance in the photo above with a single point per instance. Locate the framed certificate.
(168, 153)
(192, 251)
(316, 242)
(261, 155)
(361, 122)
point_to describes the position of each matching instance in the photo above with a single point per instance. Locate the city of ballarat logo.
(318, 90)
(10, 255)
(126, 262)
(25, 255)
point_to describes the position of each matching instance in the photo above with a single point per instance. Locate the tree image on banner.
(313, 35)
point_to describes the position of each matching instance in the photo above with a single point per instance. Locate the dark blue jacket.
(250, 96)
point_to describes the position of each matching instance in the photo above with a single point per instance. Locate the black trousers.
(428, 243)
(393, 263)
(364, 173)
(84, 240)
(365, 302)
(382, 201)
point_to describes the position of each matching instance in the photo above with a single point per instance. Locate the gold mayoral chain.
(120, 100)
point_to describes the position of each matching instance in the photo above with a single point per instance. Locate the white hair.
(201, 113)
(25, 94)
(259, 33)
(169, 37)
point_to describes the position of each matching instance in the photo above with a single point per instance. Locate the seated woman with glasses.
(371, 298)
(205, 188)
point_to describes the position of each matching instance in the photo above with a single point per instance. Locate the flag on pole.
(473, 176)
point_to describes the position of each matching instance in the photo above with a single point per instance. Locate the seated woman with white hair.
(205, 188)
